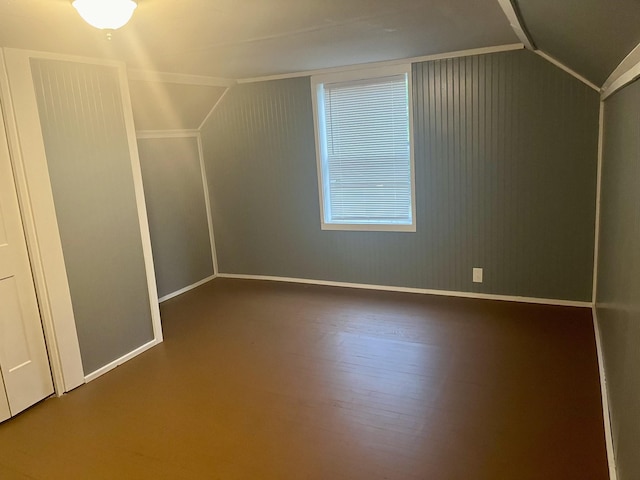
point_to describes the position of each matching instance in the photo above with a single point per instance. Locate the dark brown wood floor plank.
(260, 380)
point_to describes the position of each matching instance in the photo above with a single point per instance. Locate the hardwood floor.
(261, 380)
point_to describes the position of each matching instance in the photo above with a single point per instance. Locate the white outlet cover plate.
(477, 275)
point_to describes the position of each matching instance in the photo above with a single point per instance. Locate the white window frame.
(317, 87)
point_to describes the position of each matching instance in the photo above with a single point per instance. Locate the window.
(364, 149)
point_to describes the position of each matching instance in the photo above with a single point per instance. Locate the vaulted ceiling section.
(591, 37)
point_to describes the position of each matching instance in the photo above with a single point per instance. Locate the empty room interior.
(295, 239)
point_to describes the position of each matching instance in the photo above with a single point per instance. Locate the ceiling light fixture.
(105, 14)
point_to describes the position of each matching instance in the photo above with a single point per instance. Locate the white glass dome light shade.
(105, 14)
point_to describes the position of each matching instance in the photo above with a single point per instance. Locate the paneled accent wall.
(85, 138)
(618, 297)
(178, 222)
(507, 149)
(506, 159)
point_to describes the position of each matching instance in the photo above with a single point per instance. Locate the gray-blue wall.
(87, 150)
(506, 154)
(178, 222)
(618, 297)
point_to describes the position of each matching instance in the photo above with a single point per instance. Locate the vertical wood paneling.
(510, 153)
(505, 150)
(178, 221)
(618, 297)
(85, 138)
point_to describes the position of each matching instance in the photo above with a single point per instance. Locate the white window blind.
(366, 154)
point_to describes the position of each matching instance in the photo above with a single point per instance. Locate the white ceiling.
(249, 38)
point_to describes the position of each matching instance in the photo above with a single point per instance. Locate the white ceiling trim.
(145, 134)
(426, 58)
(64, 57)
(626, 72)
(514, 21)
(562, 66)
(184, 79)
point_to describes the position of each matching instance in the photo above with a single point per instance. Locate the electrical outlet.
(477, 275)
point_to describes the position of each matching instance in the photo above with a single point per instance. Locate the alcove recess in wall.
(167, 116)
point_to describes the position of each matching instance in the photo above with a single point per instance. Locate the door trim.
(43, 240)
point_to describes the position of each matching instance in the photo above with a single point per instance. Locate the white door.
(4, 402)
(24, 363)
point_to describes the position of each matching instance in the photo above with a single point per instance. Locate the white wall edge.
(514, 21)
(424, 291)
(207, 205)
(213, 109)
(604, 390)
(187, 289)
(631, 74)
(125, 358)
(167, 133)
(562, 66)
(596, 241)
(184, 79)
(400, 61)
(141, 204)
(631, 60)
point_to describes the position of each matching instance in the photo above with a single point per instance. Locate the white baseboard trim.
(186, 289)
(613, 472)
(424, 291)
(120, 361)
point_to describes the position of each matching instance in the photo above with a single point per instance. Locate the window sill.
(368, 227)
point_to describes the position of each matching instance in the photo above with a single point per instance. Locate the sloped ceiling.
(246, 38)
(171, 106)
(590, 36)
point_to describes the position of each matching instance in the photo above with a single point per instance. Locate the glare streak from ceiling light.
(105, 14)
